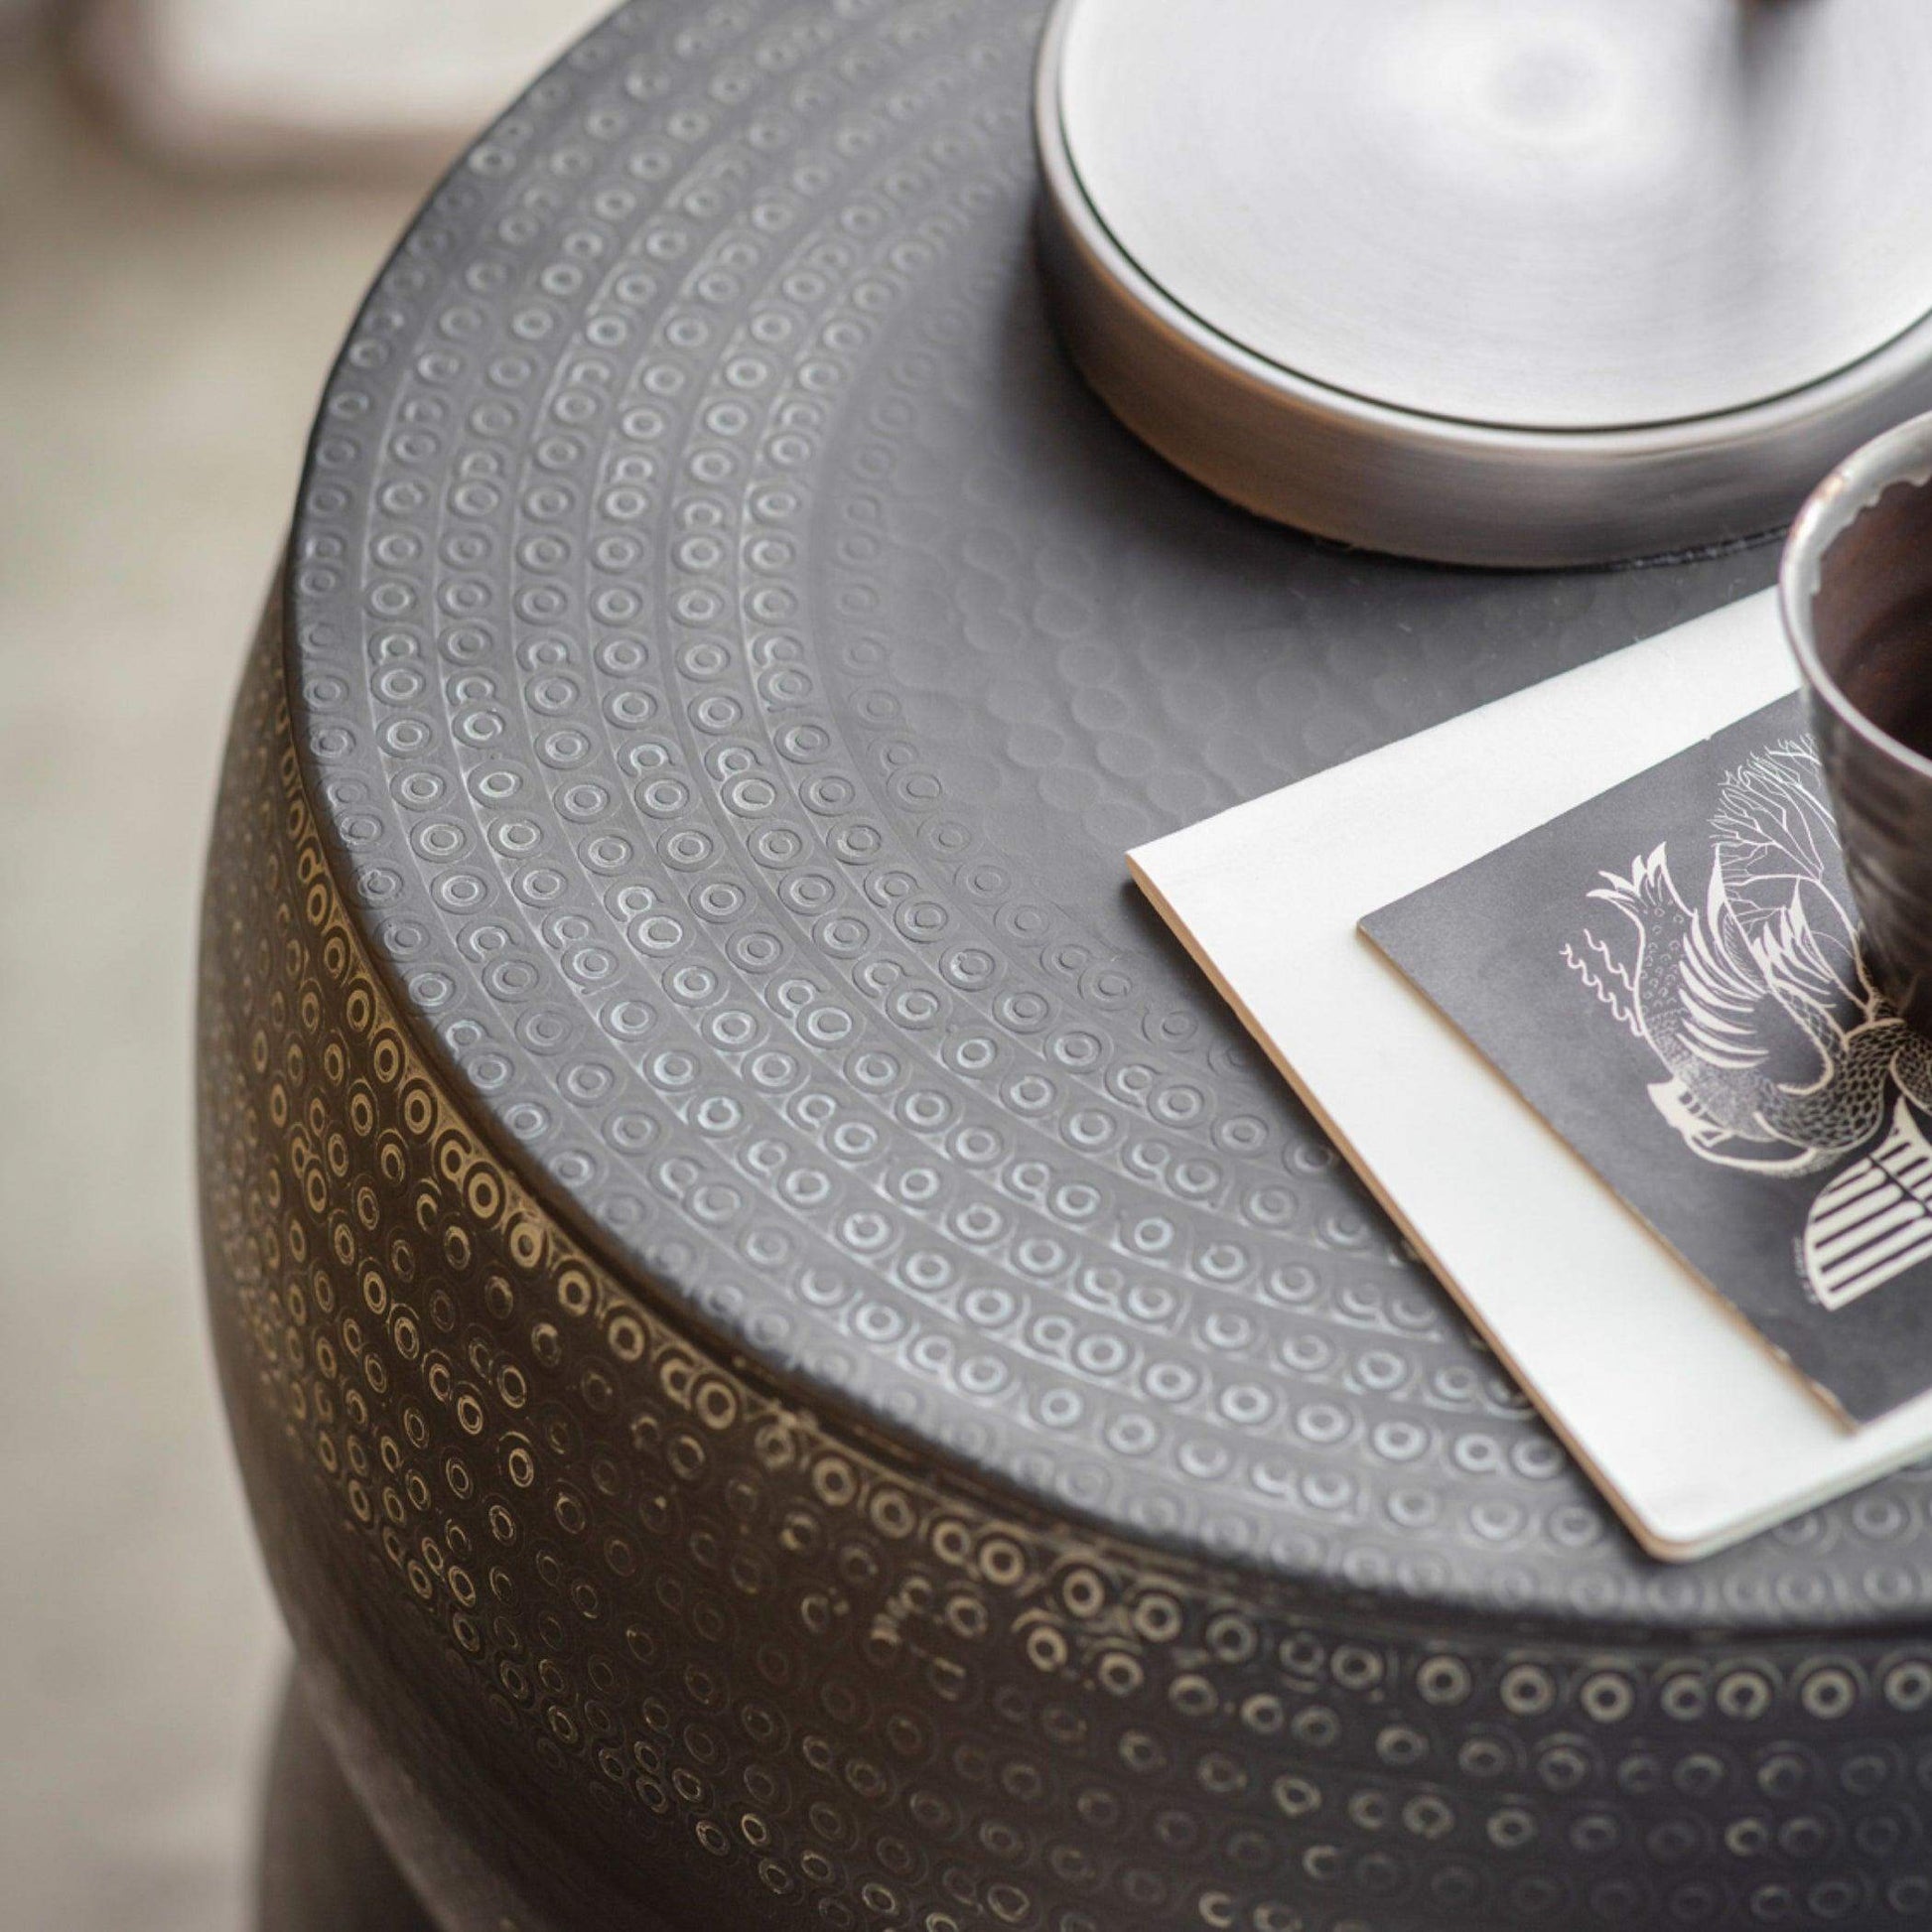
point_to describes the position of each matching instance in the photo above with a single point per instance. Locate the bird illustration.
(1911, 1067)
(1767, 1044)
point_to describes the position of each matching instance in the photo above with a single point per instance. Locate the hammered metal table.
(791, 1367)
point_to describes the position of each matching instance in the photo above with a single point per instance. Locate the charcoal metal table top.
(731, 652)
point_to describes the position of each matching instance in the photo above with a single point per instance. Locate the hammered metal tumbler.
(1856, 590)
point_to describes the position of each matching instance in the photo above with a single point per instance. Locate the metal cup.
(1855, 589)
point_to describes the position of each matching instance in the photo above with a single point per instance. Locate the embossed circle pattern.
(730, 652)
(611, 1630)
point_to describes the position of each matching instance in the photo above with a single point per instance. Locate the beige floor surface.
(161, 341)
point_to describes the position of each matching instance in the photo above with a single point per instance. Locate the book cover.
(1670, 975)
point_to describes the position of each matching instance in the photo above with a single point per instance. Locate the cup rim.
(1902, 455)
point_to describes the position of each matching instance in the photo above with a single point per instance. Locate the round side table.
(791, 1367)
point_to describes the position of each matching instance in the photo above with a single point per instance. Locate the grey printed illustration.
(1781, 1053)
(1872, 1221)
(1670, 975)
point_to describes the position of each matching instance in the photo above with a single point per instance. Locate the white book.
(1695, 1430)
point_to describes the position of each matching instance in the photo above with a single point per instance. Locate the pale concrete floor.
(161, 341)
